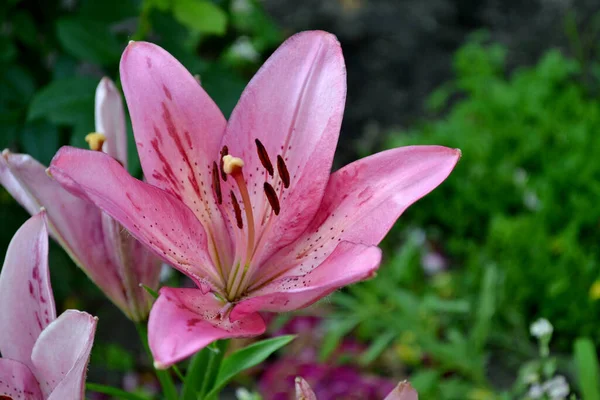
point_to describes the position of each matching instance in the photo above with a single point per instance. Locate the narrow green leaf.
(150, 291)
(112, 391)
(246, 358)
(195, 373)
(200, 16)
(588, 371)
(377, 347)
(88, 40)
(336, 330)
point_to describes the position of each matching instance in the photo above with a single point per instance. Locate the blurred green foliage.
(517, 224)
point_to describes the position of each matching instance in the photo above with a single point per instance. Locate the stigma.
(95, 140)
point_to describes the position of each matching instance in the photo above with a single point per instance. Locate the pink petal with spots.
(303, 390)
(26, 301)
(183, 321)
(178, 130)
(74, 223)
(17, 381)
(110, 120)
(404, 391)
(294, 106)
(349, 263)
(363, 200)
(61, 354)
(153, 216)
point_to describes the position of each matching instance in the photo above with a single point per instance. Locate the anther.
(238, 211)
(217, 183)
(272, 197)
(264, 157)
(231, 164)
(283, 172)
(224, 152)
(95, 140)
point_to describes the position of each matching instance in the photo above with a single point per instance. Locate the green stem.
(166, 382)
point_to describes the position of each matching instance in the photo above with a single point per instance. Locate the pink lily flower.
(44, 357)
(404, 391)
(112, 259)
(248, 209)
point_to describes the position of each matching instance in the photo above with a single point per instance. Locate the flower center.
(243, 215)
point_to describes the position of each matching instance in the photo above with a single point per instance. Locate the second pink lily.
(248, 208)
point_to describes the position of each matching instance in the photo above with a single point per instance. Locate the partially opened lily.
(43, 357)
(114, 260)
(403, 391)
(248, 209)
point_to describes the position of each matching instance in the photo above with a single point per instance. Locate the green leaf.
(246, 358)
(88, 40)
(200, 16)
(112, 391)
(588, 371)
(380, 343)
(336, 330)
(195, 374)
(63, 101)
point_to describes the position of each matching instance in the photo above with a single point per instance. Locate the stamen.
(217, 183)
(272, 197)
(224, 152)
(95, 140)
(283, 172)
(232, 165)
(264, 157)
(238, 211)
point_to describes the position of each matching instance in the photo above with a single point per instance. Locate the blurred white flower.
(557, 388)
(531, 200)
(535, 391)
(241, 6)
(433, 263)
(520, 177)
(541, 328)
(244, 49)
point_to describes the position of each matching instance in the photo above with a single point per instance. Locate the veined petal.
(294, 107)
(17, 381)
(178, 129)
(153, 216)
(110, 120)
(404, 391)
(75, 223)
(183, 321)
(15, 188)
(348, 263)
(61, 354)
(26, 301)
(362, 202)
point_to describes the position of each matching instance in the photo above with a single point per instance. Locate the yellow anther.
(95, 140)
(232, 164)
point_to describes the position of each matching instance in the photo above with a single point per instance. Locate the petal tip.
(160, 366)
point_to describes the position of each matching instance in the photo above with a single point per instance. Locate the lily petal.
(17, 381)
(26, 301)
(294, 106)
(153, 216)
(363, 200)
(61, 354)
(348, 263)
(65, 213)
(110, 120)
(15, 188)
(178, 129)
(183, 321)
(404, 391)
